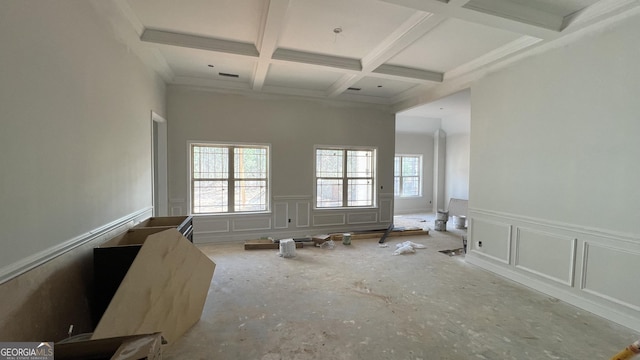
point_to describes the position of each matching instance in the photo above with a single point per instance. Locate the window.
(345, 177)
(229, 178)
(407, 175)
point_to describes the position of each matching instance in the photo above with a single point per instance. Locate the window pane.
(250, 163)
(410, 186)
(250, 195)
(360, 192)
(396, 166)
(210, 196)
(359, 163)
(396, 186)
(329, 163)
(329, 193)
(410, 165)
(210, 162)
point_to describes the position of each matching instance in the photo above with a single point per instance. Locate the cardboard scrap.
(164, 290)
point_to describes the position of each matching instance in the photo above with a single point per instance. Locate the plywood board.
(265, 244)
(164, 290)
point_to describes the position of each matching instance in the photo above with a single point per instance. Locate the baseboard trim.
(18, 268)
(594, 307)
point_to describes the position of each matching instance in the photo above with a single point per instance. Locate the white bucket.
(346, 239)
(441, 225)
(287, 248)
(460, 222)
(442, 215)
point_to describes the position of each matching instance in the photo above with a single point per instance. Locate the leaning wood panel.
(263, 244)
(164, 290)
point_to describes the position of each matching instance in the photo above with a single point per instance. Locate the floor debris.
(453, 252)
(407, 247)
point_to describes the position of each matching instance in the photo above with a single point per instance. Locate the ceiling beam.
(514, 11)
(406, 34)
(464, 12)
(199, 42)
(317, 59)
(513, 47)
(272, 22)
(405, 72)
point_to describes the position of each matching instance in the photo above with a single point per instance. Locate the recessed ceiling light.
(210, 65)
(379, 86)
(354, 89)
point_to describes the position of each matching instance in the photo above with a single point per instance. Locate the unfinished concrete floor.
(360, 302)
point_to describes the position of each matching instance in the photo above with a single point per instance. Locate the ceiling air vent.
(354, 89)
(229, 75)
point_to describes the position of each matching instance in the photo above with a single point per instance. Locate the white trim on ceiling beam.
(424, 93)
(409, 32)
(215, 83)
(405, 72)
(317, 59)
(592, 14)
(502, 52)
(462, 13)
(406, 34)
(199, 42)
(272, 22)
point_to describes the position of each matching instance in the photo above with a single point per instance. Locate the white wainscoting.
(303, 214)
(546, 254)
(329, 219)
(494, 239)
(386, 208)
(600, 262)
(594, 269)
(251, 223)
(287, 211)
(362, 218)
(280, 215)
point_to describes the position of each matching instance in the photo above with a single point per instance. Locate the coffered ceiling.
(354, 50)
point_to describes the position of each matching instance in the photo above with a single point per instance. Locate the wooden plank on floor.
(263, 244)
(358, 236)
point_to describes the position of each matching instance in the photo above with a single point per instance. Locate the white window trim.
(345, 147)
(420, 177)
(190, 143)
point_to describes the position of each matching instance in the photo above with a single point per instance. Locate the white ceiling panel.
(195, 63)
(300, 77)
(451, 44)
(379, 87)
(237, 20)
(310, 23)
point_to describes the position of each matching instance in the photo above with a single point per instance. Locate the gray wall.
(554, 178)
(75, 157)
(292, 127)
(417, 144)
(457, 167)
